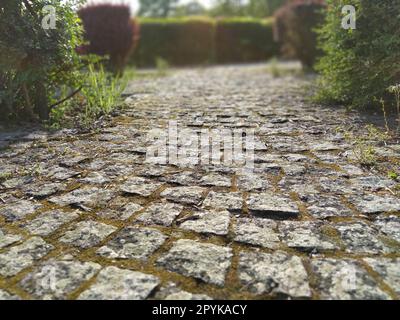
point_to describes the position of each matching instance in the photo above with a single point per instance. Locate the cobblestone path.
(83, 216)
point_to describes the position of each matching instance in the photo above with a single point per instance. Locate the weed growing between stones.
(99, 95)
(364, 146)
(162, 66)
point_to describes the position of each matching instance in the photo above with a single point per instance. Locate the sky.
(135, 3)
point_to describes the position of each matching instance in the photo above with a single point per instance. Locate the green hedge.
(359, 65)
(198, 40)
(244, 40)
(178, 41)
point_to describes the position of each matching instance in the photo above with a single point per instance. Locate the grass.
(100, 95)
(281, 70)
(364, 145)
(162, 66)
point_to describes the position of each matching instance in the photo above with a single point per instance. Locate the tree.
(157, 8)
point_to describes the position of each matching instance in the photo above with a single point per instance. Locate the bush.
(35, 61)
(244, 40)
(294, 29)
(359, 65)
(110, 31)
(180, 42)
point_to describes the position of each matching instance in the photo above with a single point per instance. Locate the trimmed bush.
(36, 61)
(180, 42)
(110, 31)
(198, 40)
(244, 40)
(359, 65)
(294, 29)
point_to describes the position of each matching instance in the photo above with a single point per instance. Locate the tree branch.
(66, 98)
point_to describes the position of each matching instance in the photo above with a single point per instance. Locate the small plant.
(274, 69)
(162, 66)
(395, 90)
(99, 95)
(5, 176)
(364, 146)
(393, 175)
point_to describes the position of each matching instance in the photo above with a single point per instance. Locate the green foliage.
(199, 40)
(99, 95)
(364, 145)
(162, 66)
(244, 40)
(359, 65)
(35, 61)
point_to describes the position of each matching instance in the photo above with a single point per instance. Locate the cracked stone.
(17, 182)
(372, 183)
(325, 146)
(60, 173)
(253, 182)
(388, 269)
(84, 198)
(162, 214)
(255, 231)
(273, 206)
(7, 239)
(123, 213)
(113, 283)
(172, 292)
(216, 180)
(45, 190)
(294, 170)
(4, 296)
(23, 256)
(18, 210)
(279, 274)
(232, 201)
(389, 226)
(48, 222)
(87, 234)
(185, 178)
(57, 279)
(214, 222)
(73, 161)
(375, 204)
(133, 243)
(345, 280)
(322, 206)
(204, 261)
(361, 238)
(306, 236)
(95, 178)
(185, 195)
(140, 186)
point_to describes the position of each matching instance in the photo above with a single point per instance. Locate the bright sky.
(135, 3)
